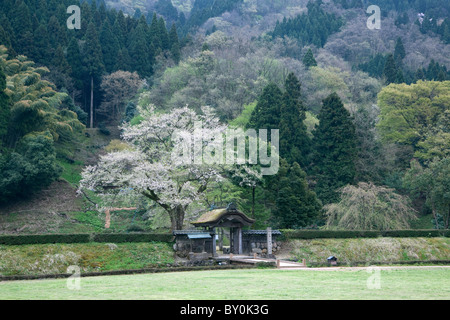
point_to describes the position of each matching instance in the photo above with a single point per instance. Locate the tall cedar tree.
(294, 140)
(174, 44)
(140, 52)
(399, 52)
(120, 29)
(123, 60)
(391, 71)
(60, 62)
(4, 107)
(110, 46)
(57, 33)
(7, 37)
(76, 63)
(296, 205)
(41, 41)
(308, 59)
(163, 34)
(266, 114)
(21, 23)
(154, 35)
(335, 151)
(93, 61)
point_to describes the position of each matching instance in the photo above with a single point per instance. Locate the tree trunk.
(92, 102)
(177, 217)
(433, 210)
(176, 214)
(447, 220)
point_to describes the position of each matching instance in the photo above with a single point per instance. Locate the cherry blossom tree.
(156, 164)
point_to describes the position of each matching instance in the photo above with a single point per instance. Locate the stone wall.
(183, 247)
(258, 244)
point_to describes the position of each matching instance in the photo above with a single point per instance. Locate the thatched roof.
(216, 216)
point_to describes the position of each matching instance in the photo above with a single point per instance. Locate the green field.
(258, 284)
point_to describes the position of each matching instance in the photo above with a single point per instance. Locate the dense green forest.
(363, 115)
(312, 28)
(108, 41)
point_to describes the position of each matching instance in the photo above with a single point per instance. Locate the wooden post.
(231, 240)
(304, 262)
(269, 241)
(107, 219)
(108, 214)
(214, 254)
(240, 240)
(221, 233)
(278, 263)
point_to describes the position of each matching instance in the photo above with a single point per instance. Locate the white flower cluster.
(148, 167)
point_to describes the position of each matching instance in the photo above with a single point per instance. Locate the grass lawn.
(258, 284)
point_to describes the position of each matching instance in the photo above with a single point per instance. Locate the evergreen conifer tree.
(60, 61)
(174, 44)
(296, 205)
(123, 61)
(140, 52)
(120, 29)
(22, 25)
(93, 61)
(8, 35)
(75, 61)
(266, 114)
(390, 70)
(110, 46)
(154, 36)
(43, 50)
(309, 60)
(399, 52)
(4, 107)
(294, 141)
(163, 34)
(335, 152)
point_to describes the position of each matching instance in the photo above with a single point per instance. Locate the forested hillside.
(108, 41)
(363, 114)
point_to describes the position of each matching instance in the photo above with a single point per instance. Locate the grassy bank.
(244, 284)
(55, 258)
(351, 251)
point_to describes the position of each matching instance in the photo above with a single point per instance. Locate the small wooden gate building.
(228, 217)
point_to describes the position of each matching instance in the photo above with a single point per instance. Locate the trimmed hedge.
(44, 238)
(84, 238)
(167, 237)
(340, 234)
(133, 237)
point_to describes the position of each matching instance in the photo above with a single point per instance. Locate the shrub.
(135, 228)
(29, 169)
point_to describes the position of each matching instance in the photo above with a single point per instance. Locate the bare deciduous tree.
(118, 88)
